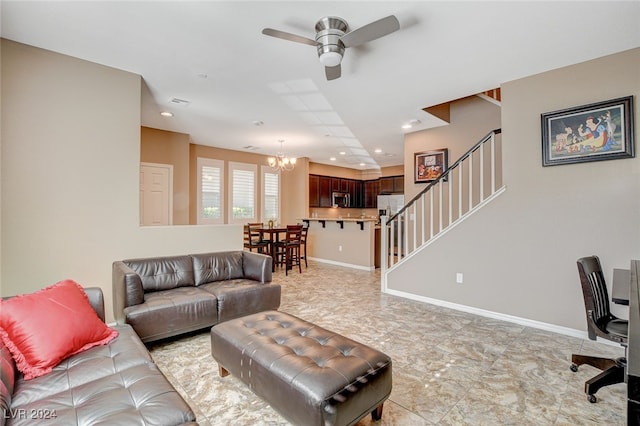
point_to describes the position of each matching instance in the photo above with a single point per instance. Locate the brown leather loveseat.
(166, 296)
(116, 383)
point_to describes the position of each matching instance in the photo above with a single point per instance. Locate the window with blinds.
(270, 194)
(210, 186)
(243, 192)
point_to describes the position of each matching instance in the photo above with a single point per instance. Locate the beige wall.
(70, 166)
(163, 147)
(357, 244)
(295, 193)
(472, 118)
(518, 254)
(349, 173)
(337, 171)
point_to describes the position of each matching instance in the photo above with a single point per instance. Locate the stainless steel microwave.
(340, 199)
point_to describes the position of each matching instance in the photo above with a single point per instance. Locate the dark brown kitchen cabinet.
(398, 184)
(320, 190)
(340, 184)
(314, 191)
(363, 194)
(355, 192)
(386, 185)
(371, 190)
(325, 191)
(392, 185)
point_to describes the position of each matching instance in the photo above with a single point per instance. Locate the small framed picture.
(430, 165)
(599, 131)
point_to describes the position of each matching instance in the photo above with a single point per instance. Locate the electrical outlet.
(459, 277)
(339, 248)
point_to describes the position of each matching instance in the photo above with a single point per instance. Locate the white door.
(156, 194)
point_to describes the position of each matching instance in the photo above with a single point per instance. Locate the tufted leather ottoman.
(310, 375)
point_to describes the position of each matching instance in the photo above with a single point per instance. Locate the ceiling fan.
(333, 36)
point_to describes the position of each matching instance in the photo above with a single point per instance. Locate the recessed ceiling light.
(377, 151)
(332, 158)
(411, 123)
(361, 164)
(166, 114)
(342, 153)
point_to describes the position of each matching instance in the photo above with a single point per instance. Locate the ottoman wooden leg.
(377, 413)
(222, 371)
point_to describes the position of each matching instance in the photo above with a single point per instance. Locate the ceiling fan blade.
(333, 72)
(288, 36)
(371, 31)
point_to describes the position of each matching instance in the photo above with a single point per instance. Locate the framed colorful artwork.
(599, 131)
(430, 165)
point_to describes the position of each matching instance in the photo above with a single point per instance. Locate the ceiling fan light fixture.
(333, 36)
(330, 59)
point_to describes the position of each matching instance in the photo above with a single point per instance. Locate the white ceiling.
(212, 54)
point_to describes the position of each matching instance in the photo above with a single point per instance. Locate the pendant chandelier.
(281, 161)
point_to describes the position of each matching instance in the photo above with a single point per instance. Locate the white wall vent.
(179, 102)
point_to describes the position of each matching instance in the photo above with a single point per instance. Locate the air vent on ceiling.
(179, 102)
(250, 148)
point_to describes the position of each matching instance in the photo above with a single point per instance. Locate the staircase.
(465, 187)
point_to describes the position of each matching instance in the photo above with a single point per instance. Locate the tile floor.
(449, 367)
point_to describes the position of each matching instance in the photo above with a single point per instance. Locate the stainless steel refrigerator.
(390, 204)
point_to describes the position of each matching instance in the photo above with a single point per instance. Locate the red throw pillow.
(43, 328)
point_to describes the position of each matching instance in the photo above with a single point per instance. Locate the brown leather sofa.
(117, 383)
(166, 296)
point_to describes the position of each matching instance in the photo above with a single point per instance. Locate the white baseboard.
(496, 315)
(348, 265)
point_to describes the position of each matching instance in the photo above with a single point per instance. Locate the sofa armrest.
(127, 289)
(7, 382)
(96, 299)
(257, 266)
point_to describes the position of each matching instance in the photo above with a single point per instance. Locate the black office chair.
(600, 323)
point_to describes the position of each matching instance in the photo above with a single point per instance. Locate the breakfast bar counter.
(345, 241)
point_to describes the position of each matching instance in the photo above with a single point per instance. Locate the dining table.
(273, 237)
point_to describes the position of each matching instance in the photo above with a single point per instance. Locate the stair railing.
(469, 183)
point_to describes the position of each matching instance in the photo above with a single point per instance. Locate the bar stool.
(253, 238)
(288, 250)
(303, 242)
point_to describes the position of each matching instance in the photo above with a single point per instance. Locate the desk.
(633, 347)
(620, 286)
(274, 237)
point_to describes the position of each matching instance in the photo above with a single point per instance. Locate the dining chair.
(253, 238)
(303, 243)
(600, 323)
(288, 250)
